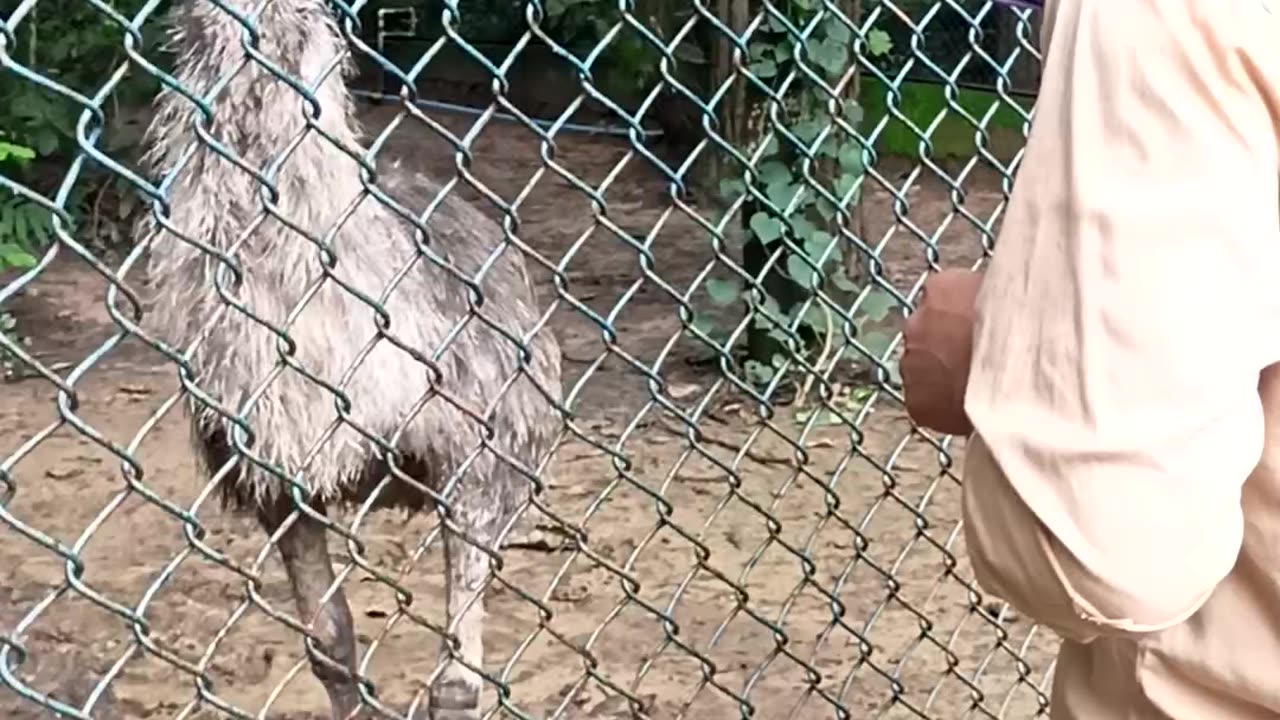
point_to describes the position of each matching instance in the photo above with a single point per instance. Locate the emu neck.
(258, 118)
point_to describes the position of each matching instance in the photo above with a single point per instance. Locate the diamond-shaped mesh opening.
(703, 541)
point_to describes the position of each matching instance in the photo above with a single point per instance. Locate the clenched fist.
(937, 348)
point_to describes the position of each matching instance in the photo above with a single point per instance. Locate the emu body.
(438, 376)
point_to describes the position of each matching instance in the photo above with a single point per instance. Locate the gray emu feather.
(219, 204)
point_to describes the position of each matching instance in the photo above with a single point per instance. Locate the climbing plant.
(24, 226)
(799, 194)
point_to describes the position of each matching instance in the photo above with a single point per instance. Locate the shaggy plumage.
(217, 205)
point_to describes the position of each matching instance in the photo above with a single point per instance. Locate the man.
(1123, 481)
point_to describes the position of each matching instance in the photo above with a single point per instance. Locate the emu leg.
(455, 695)
(304, 549)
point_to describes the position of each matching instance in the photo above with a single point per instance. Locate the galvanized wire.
(878, 616)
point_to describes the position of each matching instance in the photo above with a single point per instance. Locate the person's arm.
(1126, 315)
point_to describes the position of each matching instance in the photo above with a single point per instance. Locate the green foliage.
(76, 46)
(24, 229)
(628, 63)
(24, 226)
(814, 146)
(954, 136)
(11, 152)
(879, 43)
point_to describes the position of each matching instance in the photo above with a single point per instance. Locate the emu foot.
(453, 698)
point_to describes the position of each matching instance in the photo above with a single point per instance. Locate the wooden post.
(1025, 73)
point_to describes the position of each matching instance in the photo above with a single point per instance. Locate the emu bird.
(439, 368)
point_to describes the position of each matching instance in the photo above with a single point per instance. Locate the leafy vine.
(803, 55)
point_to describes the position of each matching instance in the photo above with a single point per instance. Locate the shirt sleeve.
(1126, 316)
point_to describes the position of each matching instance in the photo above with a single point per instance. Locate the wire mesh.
(700, 544)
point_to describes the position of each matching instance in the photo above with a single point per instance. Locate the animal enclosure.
(718, 532)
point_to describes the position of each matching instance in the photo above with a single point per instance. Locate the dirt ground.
(771, 591)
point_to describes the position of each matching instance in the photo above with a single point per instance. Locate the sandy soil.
(775, 590)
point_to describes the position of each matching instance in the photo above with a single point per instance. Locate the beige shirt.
(1123, 486)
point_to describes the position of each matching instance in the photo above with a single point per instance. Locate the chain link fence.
(736, 518)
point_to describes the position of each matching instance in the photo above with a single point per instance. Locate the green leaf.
(781, 337)
(13, 256)
(817, 50)
(46, 142)
(876, 343)
(877, 305)
(732, 188)
(772, 307)
(879, 43)
(704, 325)
(33, 225)
(781, 194)
(799, 270)
(22, 226)
(815, 316)
(807, 130)
(802, 228)
(850, 158)
(853, 113)
(723, 292)
(844, 282)
(768, 317)
(845, 183)
(837, 31)
(832, 57)
(15, 153)
(826, 209)
(774, 171)
(817, 244)
(757, 372)
(766, 228)
(763, 69)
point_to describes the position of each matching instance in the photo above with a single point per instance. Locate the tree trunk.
(1025, 73)
(746, 124)
(680, 118)
(854, 263)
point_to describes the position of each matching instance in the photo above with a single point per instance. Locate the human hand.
(937, 349)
